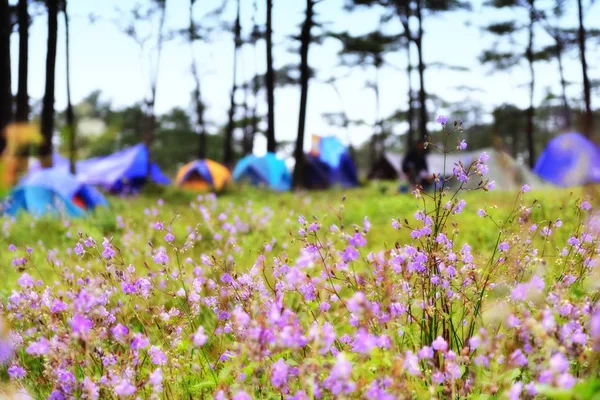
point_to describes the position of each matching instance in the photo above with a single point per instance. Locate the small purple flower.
(58, 306)
(442, 119)
(526, 188)
(425, 352)
(439, 344)
(462, 145)
(279, 373)
(160, 257)
(169, 237)
(518, 359)
(559, 363)
(350, 254)
(81, 325)
(79, 250)
(158, 226)
(157, 356)
(25, 280)
(16, 372)
(139, 342)
(119, 331)
(241, 395)
(585, 206)
(12, 247)
(124, 388)
(200, 337)
(503, 246)
(481, 213)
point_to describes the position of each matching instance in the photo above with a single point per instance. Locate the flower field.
(356, 294)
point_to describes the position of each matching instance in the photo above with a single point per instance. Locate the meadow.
(361, 293)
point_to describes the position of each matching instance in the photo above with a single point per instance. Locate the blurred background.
(222, 79)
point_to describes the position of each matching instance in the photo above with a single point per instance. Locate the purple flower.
(39, 347)
(119, 331)
(156, 378)
(79, 250)
(357, 240)
(559, 363)
(484, 157)
(350, 254)
(108, 252)
(169, 237)
(518, 359)
(200, 337)
(515, 391)
(439, 344)
(566, 381)
(12, 247)
(526, 188)
(25, 280)
(279, 373)
(241, 395)
(139, 342)
(411, 364)
(425, 352)
(157, 356)
(481, 213)
(16, 372)
(503, 246)
(81, 325)
(585, 206)
(442, 119)
(462, 145)
(158, 226)
(160, 257)
(339, 381)
(124, 388)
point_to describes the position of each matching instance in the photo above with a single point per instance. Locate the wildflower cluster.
(317, 317)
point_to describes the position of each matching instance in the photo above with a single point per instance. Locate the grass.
(378, 202)
(262, 223)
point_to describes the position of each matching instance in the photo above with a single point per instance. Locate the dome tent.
(203, 175)
(266, 170)
(50, 191)
(329, 164)
(570, 160)
(504, 170)
(125, 170)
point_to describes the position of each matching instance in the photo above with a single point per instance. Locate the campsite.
(275, 199)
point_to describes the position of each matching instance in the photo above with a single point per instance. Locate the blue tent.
(50, 191)
(121, 171)
(58, 162)
(329, 164)
(570, 160)
(267, 170)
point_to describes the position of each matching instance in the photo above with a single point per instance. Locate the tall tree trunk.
(422, 93)
(199, 105)
(70, 114)
(248, 126)
(379, 136)
(271, 143)
(588, 120)
(530, 110)
(410, 116)
(563, 84)
(22, 114)
(305, 39)
(228, 150)
(5, 84)
(149, 114)
(404, 13)
(48, 102)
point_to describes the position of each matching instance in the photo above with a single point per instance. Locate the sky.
(104, 58)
